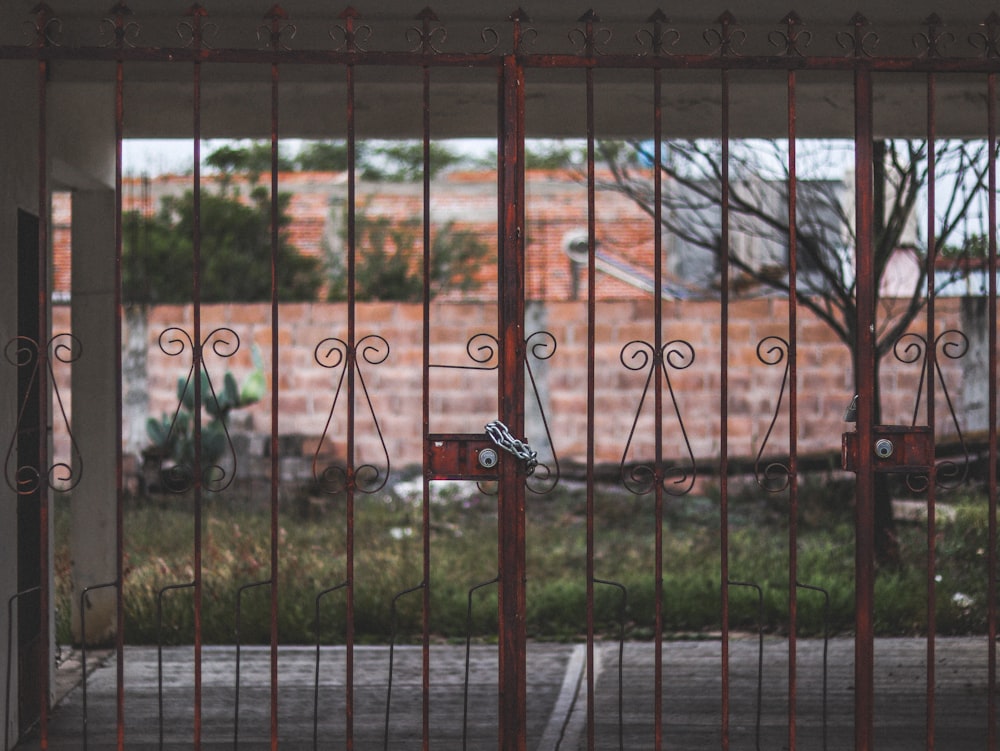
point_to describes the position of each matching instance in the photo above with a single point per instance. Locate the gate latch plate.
(455, 456)
(895, 448)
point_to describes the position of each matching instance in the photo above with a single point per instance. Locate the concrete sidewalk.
(557, 706)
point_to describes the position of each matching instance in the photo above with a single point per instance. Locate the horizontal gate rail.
(889, 64)
(726, 48)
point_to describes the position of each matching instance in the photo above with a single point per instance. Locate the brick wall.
(464, 400)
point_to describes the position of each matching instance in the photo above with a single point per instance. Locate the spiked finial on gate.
(934, 40)
(518, 18)
(123, 31)
(276, 13)
(195, 27)
(120, 10)
(423, 38)
(587, 38)
(988, 39)
(657, 38)
(45, 22)
(277, 27)
(859, 43)
(793, 35)
(349, 29)
(728, 38)
(660, 34)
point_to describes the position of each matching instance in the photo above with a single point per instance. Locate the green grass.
(388, 554)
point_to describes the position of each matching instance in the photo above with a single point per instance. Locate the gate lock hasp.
(474, 456)
(896, 448)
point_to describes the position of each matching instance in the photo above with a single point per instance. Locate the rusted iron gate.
(497, 455)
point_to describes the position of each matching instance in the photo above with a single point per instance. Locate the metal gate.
(701, 85)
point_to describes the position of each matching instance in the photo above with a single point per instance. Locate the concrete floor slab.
(558, 718)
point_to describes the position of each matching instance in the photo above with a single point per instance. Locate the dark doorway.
(29, 641)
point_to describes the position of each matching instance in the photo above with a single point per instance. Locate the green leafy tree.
(389, 260)
(252, 160)
(554, 155)
(235, 252)
(396, 161)
(327, 156)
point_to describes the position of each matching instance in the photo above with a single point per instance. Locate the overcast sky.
(172, 156)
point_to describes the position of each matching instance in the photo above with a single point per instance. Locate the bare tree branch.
(691, 212)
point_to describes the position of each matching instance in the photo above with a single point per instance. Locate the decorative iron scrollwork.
(22, 352)
(483, 349)
(657, 40)
(639, 355)
(44, 29)
(123, 33)
(274, 33)
(988, 40)
(860, 43)
(335, 354)
(727, 40)
(951, 344)
(775, 477)
(194, 32)
(350, 36)
(426, 39)
(589, 41)
(180, 472)
(934, 40)
(541, 346)
(794, 39)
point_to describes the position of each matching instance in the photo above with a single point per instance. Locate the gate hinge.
(895, 448)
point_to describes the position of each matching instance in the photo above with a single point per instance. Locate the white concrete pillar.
(95, 405)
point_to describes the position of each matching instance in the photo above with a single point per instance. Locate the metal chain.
(502, 437)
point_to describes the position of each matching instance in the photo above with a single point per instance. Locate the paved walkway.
(556, 698)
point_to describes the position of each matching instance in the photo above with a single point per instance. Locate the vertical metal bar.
(84, 594)
(658, 409)
(724, 410)
(16, 597)
(512, 635)
(793, 418)
(931, 371)
(275, 374)
(119, 400)
(319, 645)
(239, 650)
(426, 507)
(991, 102)
(591, 404)
(197, 370)
(43, 390)
(864, 575)
(349, 636)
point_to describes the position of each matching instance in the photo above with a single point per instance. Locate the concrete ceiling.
(882, 13)
(158, 95)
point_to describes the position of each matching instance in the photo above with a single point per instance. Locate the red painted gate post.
(511, 552)
(864, 575)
